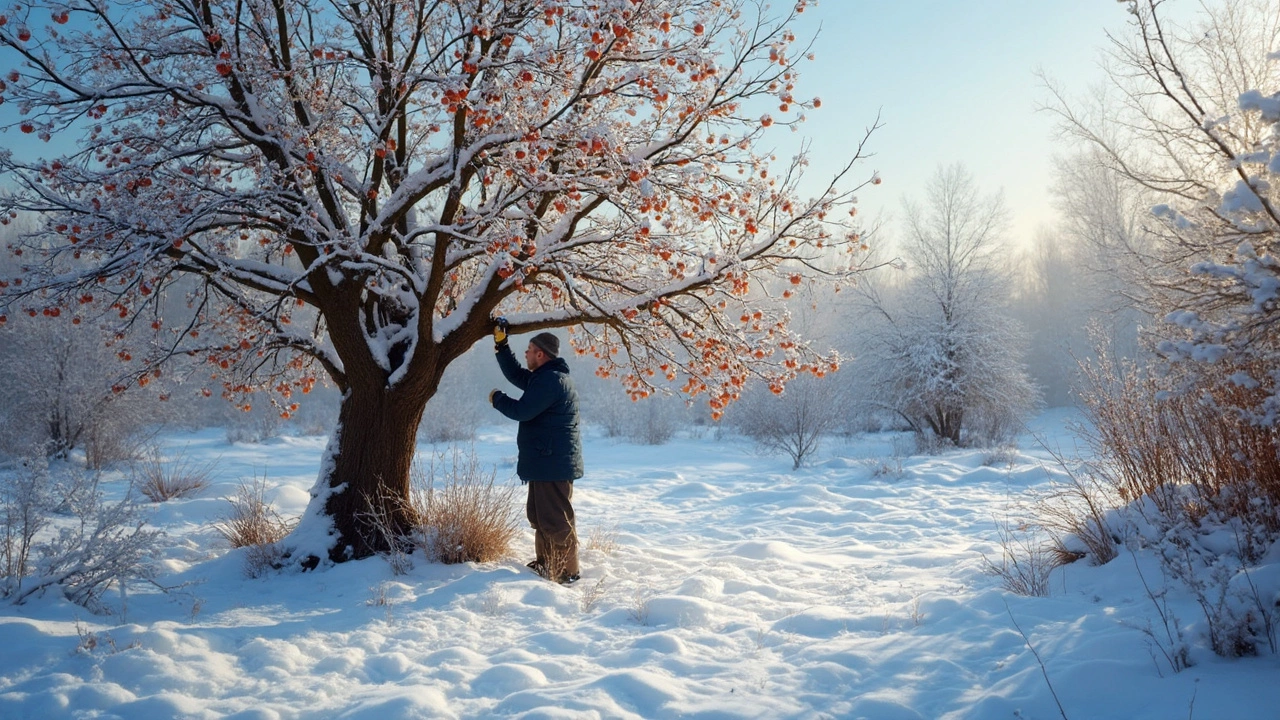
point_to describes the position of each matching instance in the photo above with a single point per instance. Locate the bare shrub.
(60, 389)
(63, 533)
(108, 443)
(655, 421)
(640, 602)
(382, 530)
(1025, 560)
(1186, 451)
(1005, 454)
(252, 523)
(461, 514)
(1175, 451)
(254, 427)
(181, 477)
(793, 422)
(28, 499)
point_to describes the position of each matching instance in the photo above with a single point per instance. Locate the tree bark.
(946, 424)
(369, 474)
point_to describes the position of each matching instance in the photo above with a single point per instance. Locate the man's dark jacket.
(548, 440)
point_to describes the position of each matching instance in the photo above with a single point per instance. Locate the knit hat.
(547, 343)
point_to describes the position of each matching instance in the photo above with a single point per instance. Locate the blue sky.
(954, 81)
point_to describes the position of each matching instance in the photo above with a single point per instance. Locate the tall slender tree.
(358, 187)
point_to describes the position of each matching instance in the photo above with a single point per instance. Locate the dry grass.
(592, 595)
(602, 539)
(1079, 509)
(462, 514)
(1025, 561)
(253, 524)
(640, 600)
(180, 478)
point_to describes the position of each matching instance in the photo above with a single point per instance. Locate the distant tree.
(1051, 302)
(942, 352)
(60, 390)
(359, 187)
(1107, 238)
(1087, 278)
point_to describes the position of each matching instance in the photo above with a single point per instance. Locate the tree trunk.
(368, 471)
(946, 424)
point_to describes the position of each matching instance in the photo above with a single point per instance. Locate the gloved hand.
(491, 394)
(499, 330)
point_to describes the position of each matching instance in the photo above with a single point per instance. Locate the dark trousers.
(555, 534)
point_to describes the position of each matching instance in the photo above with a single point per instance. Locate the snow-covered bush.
(1197, 486)
(941, 351)
(62, 532)
(28, 498)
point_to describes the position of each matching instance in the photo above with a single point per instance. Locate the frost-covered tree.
(943, 353)
(359, 187)
(1192, 118)
(60, 388)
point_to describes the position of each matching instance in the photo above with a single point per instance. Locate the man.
(550, 447)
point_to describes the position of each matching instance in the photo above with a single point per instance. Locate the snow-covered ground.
(854, 588)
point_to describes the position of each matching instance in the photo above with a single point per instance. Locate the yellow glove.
(500, 330)
(493, 391)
